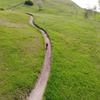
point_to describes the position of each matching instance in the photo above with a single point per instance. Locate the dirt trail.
(16, 6)
(38, 90)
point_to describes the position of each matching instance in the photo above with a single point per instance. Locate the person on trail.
(46, 46)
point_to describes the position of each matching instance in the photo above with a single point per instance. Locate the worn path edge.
(39, 88)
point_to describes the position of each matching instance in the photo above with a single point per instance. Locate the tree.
(99, 2)
(94, 9)
(40, 4)
(71, 12)
(88, 12)
(29, 2)
(76, 8)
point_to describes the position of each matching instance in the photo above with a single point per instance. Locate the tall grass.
(21, 56)
(76, 58)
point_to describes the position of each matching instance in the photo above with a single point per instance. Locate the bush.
(29, 2)
(1, 9)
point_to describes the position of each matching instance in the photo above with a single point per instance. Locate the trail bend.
(38, 90)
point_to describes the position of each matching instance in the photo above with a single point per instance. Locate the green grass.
(76, 56)
(58, 7)
(50, 7)
(75, 68)
(21, 55)
(6, 4)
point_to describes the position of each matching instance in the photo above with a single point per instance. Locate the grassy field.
(21, 55)
(75, 68)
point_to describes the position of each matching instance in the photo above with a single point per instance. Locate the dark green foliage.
(1, 9)
(29, 2)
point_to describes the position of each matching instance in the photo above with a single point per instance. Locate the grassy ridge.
(21, 55)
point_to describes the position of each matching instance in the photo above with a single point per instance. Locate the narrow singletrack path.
(38, 90)
(16, 6)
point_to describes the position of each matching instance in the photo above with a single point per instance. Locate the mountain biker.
(46, 46)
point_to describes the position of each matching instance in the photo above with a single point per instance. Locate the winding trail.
(38, 90)
(16, 6)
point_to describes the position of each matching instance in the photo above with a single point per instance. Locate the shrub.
(29, 2)
(1, 9)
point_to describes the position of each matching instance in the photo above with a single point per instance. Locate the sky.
(86, 3)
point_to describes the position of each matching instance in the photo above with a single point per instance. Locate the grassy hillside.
(75, 68)
(76, 51)
(21, 55)
(6, 4)
(75, 71)
(57, 7)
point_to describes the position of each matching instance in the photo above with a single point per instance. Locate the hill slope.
(75, 68)
(6, 4)
(21, 55)
(76, 58)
